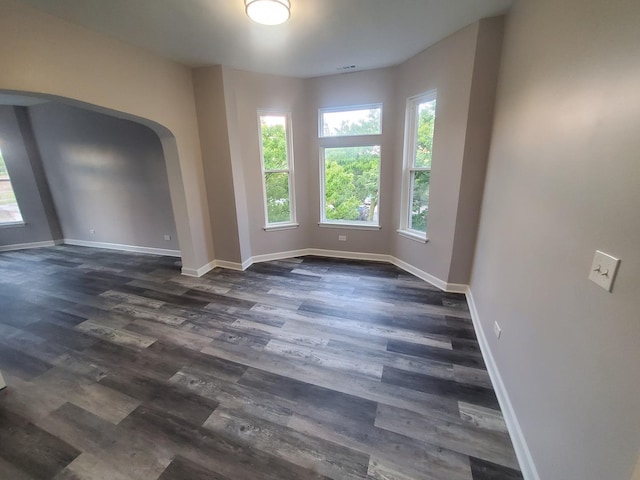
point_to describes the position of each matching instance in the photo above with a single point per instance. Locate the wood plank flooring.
(119, 368)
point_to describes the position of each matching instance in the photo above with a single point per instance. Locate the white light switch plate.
(497, 330)
(603, 270)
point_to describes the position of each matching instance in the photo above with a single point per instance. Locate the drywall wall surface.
(476, 149)
(343, 90)
(235, 149)
(26, 128)
(562, 181)
(216, 157)
(45, 55)
(107, 175)
(253, 92)
(446, 67)
(25, 185)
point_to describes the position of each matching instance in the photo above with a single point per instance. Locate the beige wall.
(359, 88)
(563, 180)
(636, 472)
(216, 158)
(251, 92)
(476, 148)
(43, 54)
(462, 69)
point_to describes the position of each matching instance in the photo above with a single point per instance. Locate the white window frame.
(349, 108)
(346, 141)
(409, 167)
(292, 223)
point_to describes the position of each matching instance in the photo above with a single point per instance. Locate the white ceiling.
(320, 37)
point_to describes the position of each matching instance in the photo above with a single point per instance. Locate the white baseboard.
(24, 246)
(374, 257)
(230, 265)
(427, 277)
(371, 257)
(123, 248)
(191, 272)
(268, 257)
(529, 471)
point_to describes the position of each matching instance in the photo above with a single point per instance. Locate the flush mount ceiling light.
(268, 12)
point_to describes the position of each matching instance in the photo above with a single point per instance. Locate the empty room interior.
(320, 239)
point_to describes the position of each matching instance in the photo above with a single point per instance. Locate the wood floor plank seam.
(119, 367)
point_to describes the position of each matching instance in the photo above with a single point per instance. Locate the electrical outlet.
(497, 330)
(92, 231)
(342, 238)
(603, 270)
(167, 237)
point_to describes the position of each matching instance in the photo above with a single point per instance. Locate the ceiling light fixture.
(268, 12)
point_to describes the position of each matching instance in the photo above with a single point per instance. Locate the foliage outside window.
(421, 114)
(352, 121)
(9, 210)
(277, 168)
(350, 167)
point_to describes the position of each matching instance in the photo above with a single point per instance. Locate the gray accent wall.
(105, 174)
(564, 180)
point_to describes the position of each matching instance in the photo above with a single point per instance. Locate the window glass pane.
(277, 187)
(352, 122)
(351, 183)
(274, 142)
(9, 210)
(419, 200)
(424, 134)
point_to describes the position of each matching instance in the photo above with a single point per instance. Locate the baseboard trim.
(372, 257)
(230, 265)
(529, 471)
(268, 257)
(123, 248)
(25, 246)
(427, 277)
(198, 272)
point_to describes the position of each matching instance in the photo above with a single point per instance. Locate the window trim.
(348, 108)
(292, 222)
(408, 164)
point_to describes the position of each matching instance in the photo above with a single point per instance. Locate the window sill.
(353, 226)
(415, 236)
(12, 224)
(282, 226)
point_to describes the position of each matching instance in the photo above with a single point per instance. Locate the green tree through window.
(351, 173)
(276, 168)
(421, 114)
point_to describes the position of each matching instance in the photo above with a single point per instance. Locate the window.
(419, 127)
(350, 141)
(350, 121)
(277, 170)
(9, 210)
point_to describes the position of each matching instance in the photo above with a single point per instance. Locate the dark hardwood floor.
(119, 368)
